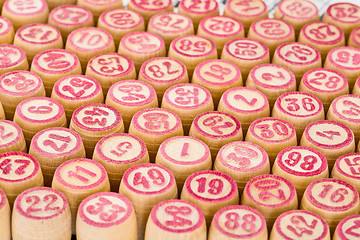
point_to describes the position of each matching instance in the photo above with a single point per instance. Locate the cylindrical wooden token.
(322, 36)
(19, 171)
(345, 60)
(170, 25)
(74, 91)
(300, 224)
(94, 121)
(184, 155)
(25, 12)
(344, 15)
(246, 11)
(162, 73)
(297, 13)
(53, 146)
(325, 84)
(17, 86)
(272, 134)
(5, 214)
(187, 101)
(271, 195)
(238, 222)
(220, 29)
(246, 104)
(119, 22)
(211, 191)
(298, 58)
(346, 109)
(98, 7)
(217, 76)
(12, 58)
(299, 109)
(155, 125)
(12, 138)
(6, 31)
(68, 18)
(192, 50)
(54, 64)
(332, 199)
(141, 46)
(346, 168)
(41, 213)
(242, 161)
(88, 42)
(146, 185)
(176, 219)
(149, 8)
(347, 229)
(79, 178)
(38, 113)
(301, 166)
(272, 80)
(56, 3)
(37, 37)
(216, 129)
(106, 215)
(129, 97)
(246, 54)
(118, 152)
(272, 32)
(198, 10)
(331, 138)
(354, 39)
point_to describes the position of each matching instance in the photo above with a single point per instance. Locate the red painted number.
(213, 123)
(337, 196)
(177, 221)
(155, 175)
(215, 186)
(265, 186)
(35, 200)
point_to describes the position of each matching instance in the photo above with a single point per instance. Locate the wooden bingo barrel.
(53, 146)
(187, 101)
(217, 76)
(6, 31)
(216, 129)
(98, 7)
(146, 185)
(149, 8)
(119, 22)
(184, 155)
(325, 84)
(238, 222)
(332, 199)
(16, 86)
(300, 224)
(301, 166)
(247, 11)
(68, 18)
(87, 42)
(118, 152)
(79, 178)
(129, 97)
(106, 215)
(346, 168)
(14, 58)
(246, 104)
(54, 64)
(37, 37)
(348, 228)
(41, 213)
(155, 125)
(192, 50)
(272, 80)
(271, 195)
(242, 161)
(19, 171)
(38, 113)
(75, 91)
(109, 68)
(176, 219)
(354, 39)
(5, 214)
(95, 121)
(245, 53)
(162, 73)
(211, 191)
(12, 138)
(297, 57)
(170, 25)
